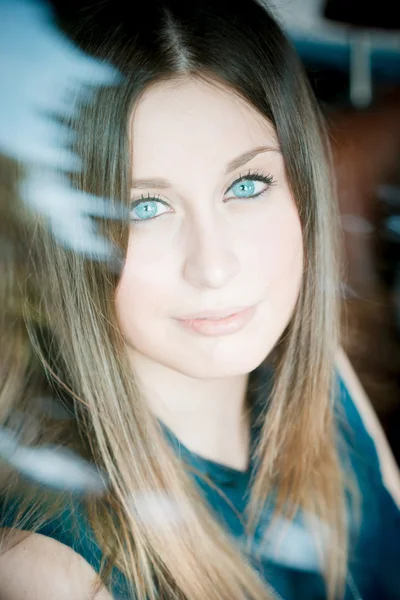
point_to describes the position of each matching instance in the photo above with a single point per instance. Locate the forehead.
(193, 121)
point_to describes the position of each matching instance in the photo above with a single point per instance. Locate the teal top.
(293, 572)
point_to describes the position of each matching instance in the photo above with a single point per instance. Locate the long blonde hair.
(60, 334)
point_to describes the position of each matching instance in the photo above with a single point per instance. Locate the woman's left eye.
(251, 186)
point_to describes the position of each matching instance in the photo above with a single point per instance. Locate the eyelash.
(251, 175)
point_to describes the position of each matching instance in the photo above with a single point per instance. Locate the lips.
(213, 315)
(218, 323)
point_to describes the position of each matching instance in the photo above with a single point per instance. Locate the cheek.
(275, 254)
(278, 254)
(144, 286)
(148, 267)
(284, 252)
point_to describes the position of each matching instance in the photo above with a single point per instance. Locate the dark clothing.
(293, 572)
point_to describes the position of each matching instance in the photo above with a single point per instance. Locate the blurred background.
(351, 51)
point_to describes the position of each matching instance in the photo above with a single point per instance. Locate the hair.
(60, 333)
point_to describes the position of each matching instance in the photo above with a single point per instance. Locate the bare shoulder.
(389, 469)
(36, 567)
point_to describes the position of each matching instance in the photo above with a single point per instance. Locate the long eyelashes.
(253, 175)
(152, 200)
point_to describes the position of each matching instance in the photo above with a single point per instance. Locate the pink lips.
(212, 323)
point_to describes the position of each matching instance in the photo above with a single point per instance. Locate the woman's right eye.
(147, 209)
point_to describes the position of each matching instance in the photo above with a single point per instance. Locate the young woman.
(206, 381)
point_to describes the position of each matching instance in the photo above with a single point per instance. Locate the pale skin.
(206, 251)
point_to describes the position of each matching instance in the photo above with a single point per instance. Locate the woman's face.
(215, 232)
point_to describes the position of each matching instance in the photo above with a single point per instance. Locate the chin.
(223, 364)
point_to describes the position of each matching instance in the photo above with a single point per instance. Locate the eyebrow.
(237, 162)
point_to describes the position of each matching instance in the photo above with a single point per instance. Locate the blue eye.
(251, 185)
(244, 188)
(147, 209)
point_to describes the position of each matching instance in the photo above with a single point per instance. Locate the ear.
(389, 469)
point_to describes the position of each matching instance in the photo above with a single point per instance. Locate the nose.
(211, 260)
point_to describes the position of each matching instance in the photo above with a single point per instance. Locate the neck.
(209, 417)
